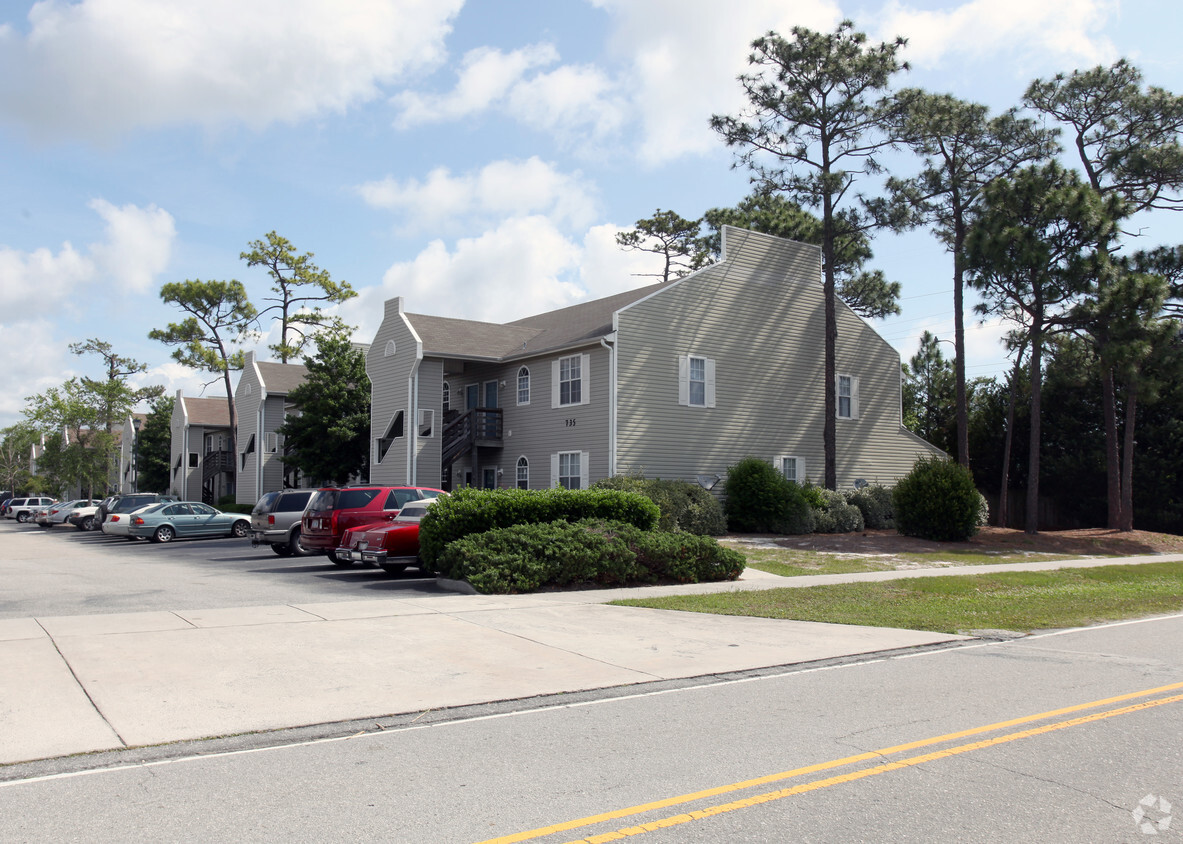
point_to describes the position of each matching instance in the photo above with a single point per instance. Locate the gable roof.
(281, 378)
(208, 412)
(465, 338)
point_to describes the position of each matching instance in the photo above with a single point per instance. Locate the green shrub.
(874, 502)
(835, 515)
(523, 558)
(684, 506)
(469, 511)
(937, 500)
(760, 499)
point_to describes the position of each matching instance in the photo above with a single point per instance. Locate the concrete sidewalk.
(79, 684)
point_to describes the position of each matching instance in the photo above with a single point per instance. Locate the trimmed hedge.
(937, 500)
(523, 558)
(684, 506)
(874, 502)
(468, 511)
(835, 515)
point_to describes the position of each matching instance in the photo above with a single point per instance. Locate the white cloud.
(485, 77)
(578, 104)
(500, 189)
(101, 67)
(1061, 29)
(138, 247)
(607, 269)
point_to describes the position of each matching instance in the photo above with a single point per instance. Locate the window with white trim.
(447, 396)
(393, 432)
(270, 442)
(570, 470)
(570, 381)
(426, 422)
(523, 473)
(523, 386)
(847, 397)
(696, 381)
(389, 350)
(793, 468)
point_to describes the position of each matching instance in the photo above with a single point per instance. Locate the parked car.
(22, 509)
(275, 521)
(334, 510)
(186, 520)
(391, 546)
(119, 524)
(58, 513)
(127, 503)
(83, 518)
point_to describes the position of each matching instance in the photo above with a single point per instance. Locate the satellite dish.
(708, 481)
(859, 483)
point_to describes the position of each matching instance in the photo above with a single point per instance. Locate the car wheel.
(87, 523)
(282, 549)
(298, 549)
(393, 568)
(164, 533)
(22, 517)
(240, 529)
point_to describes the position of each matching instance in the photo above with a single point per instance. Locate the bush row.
(684, 506)
(473, 511)
(526, 557)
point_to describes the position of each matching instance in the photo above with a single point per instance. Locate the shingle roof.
(281, 378)
(532, 335)
(210, 412)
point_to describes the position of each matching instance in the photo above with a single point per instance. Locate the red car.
(334, 510)
(392, 547)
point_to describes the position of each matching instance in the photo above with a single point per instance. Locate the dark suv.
(334, 510)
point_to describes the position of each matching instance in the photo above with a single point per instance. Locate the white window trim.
(854, 396)
(584, 381)
(517, 464)
(389, 350)
(554, 468)
(684, 381)
(426, 418)
(270, 442)
(518, 386)
(779, 463)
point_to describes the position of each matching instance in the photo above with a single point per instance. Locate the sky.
(476, 158)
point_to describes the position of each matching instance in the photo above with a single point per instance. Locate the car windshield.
(264, 505)
(342, 499)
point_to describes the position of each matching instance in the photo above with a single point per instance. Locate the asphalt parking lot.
(64, 571)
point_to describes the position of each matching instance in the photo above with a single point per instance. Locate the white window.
(847, 397)
(270, 442)
(696, 381)
(523, 386)
(447, 396)
(569, 381)
(523, 474)
(426, 422)
(389, 351)
(793, 468)
(568, 469)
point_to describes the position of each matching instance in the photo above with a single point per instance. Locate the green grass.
(788, 562)
(1019, 601)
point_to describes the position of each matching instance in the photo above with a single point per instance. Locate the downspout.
(260, 441)
(413, 422)
(611, 347)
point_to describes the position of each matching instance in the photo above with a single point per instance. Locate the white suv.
(22, 509)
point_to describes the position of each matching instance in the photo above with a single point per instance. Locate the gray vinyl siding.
(273, 417)
(247, 398)
(536, 431)
(760, 316)
(390, 393)
(427, 449)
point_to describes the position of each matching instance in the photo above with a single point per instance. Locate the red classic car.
(392, 546)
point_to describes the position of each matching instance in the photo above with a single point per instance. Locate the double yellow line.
(814, 785)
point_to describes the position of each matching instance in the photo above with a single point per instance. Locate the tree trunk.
(1127, 468)
(959, 349)
(1008, 440)
(1112, 457)
(830, 430)
(1033, 442)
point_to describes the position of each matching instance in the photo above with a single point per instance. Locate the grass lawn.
(1019, 601)
(788, 562)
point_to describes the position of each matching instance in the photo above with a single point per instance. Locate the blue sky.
(476, 158)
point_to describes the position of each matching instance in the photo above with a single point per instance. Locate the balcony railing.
(215, 462)
(479, 427)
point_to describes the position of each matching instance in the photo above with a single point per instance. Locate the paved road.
(1052, 738)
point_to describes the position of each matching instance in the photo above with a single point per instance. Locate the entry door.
(471, 394)
(490, 478)
(490, 419)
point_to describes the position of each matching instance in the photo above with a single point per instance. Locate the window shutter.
(554, 470)
(854, 398)
(554, 395)
(683, 380)
(585, 379)
(710, 385)
(583, 461)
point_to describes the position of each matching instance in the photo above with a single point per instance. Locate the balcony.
(216, 462)
(473, 429)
